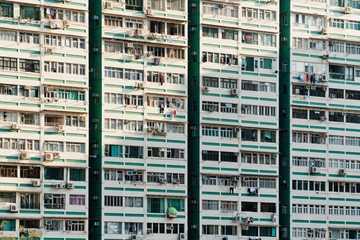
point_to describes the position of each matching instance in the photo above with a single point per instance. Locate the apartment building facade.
(233, 119)
(319, 122)
(139, 119)
(43, 119)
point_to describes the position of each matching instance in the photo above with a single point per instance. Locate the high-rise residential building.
(138, 119)
(233, 119)
(319, 119)
(43, 119)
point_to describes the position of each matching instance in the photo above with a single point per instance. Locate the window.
(29, 172)
(113, 201)
(7, 197)
(133, 202)
(29, 12)
(113, 175)
(229, 230)
(53, 173)
(249, 135)
(210, 32)
(27, 65)
(77, 174)
(267, 136)
(133, 152)
(268, 207)
(55, 226)
(229, 34)
(6, 10)
(133, 228)
(54, 201)
(8, 171)
(210, 82)
(29, 201)
(112, 228)
(210, 155)
(75, 226)
(78, 200)
(155, 205)
(175, 5)
(8, 63)
(210, 229)
(249, 206)
(228, 206)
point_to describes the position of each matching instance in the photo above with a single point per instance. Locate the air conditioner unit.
(325, 56)
(245, 179)
(176, 181)
(109, 5)
(48, 50)
(162, 180)
(149, 13)
(134, 237)
(205, 89)
(245, 228)
(222, 5)
(149, 231)
(140, 85)
(15, 126)
(236, 179)
(68, 222)
(13, 209)
(69, 186)
(58, 185)
(60, 128)
(182, 236)
(49, 157)
(56, 155)
(348, 10)
(82, 119)
(233, 92)
(332, 95)
(237, 218)
(139, 32)
(236, 129)
(342, 172)
(36, 183)
(48, 222)
(24, 156)
(324, 31)
(66, 23)
(314, 170)
(323, 118)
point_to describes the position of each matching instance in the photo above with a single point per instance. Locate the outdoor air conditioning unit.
(36, 183)
(176, 181)
(83, 119)
(149, 231)
(66, 23)
(48, 222)
(205, 89)
(237, 179)
(325, 56)
(60, 128)
(323, 118)
(48, 50)
(24, 156)
(69, 186)
(56, 155)
(342, 172)
(15, 126)
(109, 5)
(182, 236)
(233, 92)
(149, 12)
(347, 10)
(49, 157)
(314, 170)
(139, 32)
(332, 95)
(13, 208)
(162, 180)
(237, 218)
(324, 31)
